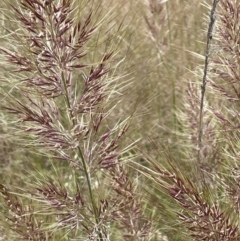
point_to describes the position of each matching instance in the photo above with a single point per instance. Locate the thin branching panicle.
(62, 104)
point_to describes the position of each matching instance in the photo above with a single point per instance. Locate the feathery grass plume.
(21, 220)
(62, 102)
(225, 67)
(200, 212)
(189, 118)
(225, 82)
(203, 210)
(128, 206)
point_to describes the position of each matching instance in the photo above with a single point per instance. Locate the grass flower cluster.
(62, 107)
(119, 120)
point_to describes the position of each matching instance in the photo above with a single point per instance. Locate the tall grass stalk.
(206, 67)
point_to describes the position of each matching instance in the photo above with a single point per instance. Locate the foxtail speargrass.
(60, 100)
(70, 170)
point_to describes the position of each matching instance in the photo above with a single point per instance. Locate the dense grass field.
(119, 120)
